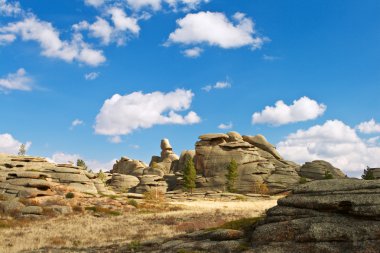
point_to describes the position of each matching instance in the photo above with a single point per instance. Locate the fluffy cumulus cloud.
(215, 29)
(121, 115)
(369, 127)
(333, 141)
(218, 85)
(9, 8)
(94, 165)
(9, 145)
(122, 26)
(33, 29)
(225, 126)
(16, 81)
(302, 109)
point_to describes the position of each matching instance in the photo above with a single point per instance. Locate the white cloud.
(7, 39)
(369, 127)
(373, 141)
(121, 115)
(91, 75)
(334, 142)
(115, 139)
(218, 85)
(95, 3)
(9, 145)
(193, 52)
(215, 29)
(302, 109)
(134, 146)
(139, 4)
(270, 57)
(33, 29)
(122, 22)
(101, 29)
(185, 5)
(225, 126)
(9, 9)
(16, 81)
(94, 165)
(76, 122)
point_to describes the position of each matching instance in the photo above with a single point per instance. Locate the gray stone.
(338, 215)
(317, 170)
(37, 210)
(123, 182)
(208, 137)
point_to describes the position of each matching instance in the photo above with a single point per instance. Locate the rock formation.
(323, 216)
(327, 216)
(129, 166)
(318, 170)
(32, 177)
(375, 172)
(258, 163)
(167, 160)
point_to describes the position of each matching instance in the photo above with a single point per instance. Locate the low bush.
(102, 210)
(70, 195)
(260, 188)
(154, 196)
(303, 180)
(244, 224)
(133, 202)
(328, 175)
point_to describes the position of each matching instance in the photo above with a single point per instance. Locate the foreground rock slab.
(323, 216)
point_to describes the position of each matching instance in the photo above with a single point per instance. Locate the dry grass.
(86, 230)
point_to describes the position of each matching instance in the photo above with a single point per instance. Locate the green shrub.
(368, 174)
(303, 180)
(328, 175)
(244, 224)
(231, 176)
(133, 202)
(189, 175)
(101, 210)
(154, 195)
(102, 176)
(69, 195)
(81, 163)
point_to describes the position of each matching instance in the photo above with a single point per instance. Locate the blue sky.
(209, 62)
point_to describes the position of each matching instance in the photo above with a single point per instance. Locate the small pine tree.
(189, 175)
(368, 174)
(22, 150)
(81, 163)
(231, 176)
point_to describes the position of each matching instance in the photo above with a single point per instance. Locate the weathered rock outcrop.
(375, 172)
(123, 183)
(129, 166)
(323, 216)
(168, 159)
(329, 216)
(258, 163)
(318, 170)
(30, 177)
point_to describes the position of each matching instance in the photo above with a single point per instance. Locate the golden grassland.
(97, 228)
